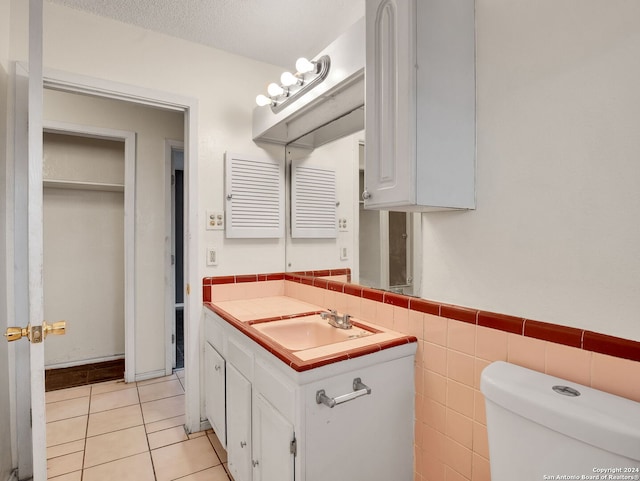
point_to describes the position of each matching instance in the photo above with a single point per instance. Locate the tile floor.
(121, 431)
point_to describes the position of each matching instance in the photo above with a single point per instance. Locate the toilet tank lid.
(601, 419)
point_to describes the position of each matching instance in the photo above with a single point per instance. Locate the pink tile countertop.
(244, 313)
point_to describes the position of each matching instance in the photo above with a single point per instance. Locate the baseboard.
(150, 375)
(83, 374)
(13, 475)
(204, 425)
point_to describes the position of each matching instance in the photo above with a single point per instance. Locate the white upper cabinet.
(420, 105)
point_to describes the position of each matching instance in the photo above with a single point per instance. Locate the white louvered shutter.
(254, 190)
(313, 202)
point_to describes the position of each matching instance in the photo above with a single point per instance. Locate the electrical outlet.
(212, 256)
(215, 220)
(342, 225)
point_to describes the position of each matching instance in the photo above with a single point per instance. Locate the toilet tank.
(542, 427)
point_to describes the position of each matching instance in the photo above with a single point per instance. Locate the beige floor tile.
(160, 390)
(220, 451)
(67, 430)
(64, 394)
(146, 382)
(67, 448)
(184, 458)
(217, 473)
(113, 400)
(133, 468)
(111, 446)
(75, 476)
(64, 464)
(165, 424)
(167, 437)
(114, 420)
(110, 386)
(197, 435)
(69, 408)
(163, 409)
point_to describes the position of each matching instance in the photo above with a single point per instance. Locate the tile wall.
(454, 345)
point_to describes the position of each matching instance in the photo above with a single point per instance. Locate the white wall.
(315, 254)
(555, 236)
(152, 127)
(84, 249)
(225, 86)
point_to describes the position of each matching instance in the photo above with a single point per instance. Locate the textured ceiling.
(274, 31)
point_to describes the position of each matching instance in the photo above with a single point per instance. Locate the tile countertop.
(242, 313)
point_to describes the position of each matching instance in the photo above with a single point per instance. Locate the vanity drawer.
(214, 331)
(240, 356)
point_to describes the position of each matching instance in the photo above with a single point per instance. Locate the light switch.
(215, 220)
(344, 253)
(212, 256)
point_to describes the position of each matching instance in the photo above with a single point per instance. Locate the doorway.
(84, 234)
(177, 252)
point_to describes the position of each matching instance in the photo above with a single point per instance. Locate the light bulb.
(275, 90)
(263, 100)
(287, 79)
(303, 65)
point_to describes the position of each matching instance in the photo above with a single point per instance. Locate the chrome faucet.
(336, 320)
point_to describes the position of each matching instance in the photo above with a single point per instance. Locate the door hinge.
(173, 259)
(173, 338)
(293, 447)
(173, 179)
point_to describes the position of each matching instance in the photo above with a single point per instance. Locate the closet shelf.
(82, 185)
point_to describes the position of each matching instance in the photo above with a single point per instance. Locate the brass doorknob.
(36, 334)
(58, 328)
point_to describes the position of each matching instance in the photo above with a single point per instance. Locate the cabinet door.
(390, 165)
(238, 424)
(273, 459)
(215, 405)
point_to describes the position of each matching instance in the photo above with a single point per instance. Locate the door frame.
(170, 289)
(74, 83)
(129, 139)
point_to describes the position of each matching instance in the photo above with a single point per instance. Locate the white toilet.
(543, 427)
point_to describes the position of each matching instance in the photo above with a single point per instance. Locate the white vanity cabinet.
(420, 98)
(277, 431)
(214, 388)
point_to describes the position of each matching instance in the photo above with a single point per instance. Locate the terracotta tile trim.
(288, 357)
(568, 336)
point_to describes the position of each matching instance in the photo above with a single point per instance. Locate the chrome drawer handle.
(359, 389)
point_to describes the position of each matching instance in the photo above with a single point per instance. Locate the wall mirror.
(381, 248)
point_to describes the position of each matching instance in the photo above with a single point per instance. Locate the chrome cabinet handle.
(243, 444)
(366, 195)
(359, 389)
(217, 367)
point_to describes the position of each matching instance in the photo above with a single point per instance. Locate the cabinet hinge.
(293, 447)
(30, 417)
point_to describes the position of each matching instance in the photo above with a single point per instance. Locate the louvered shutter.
(313, 202)
(254, 190)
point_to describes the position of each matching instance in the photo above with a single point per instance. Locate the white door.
(32, 459)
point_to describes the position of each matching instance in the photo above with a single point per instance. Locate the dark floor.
(65, 377)
(179, 338)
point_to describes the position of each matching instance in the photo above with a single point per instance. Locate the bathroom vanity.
(290, 399)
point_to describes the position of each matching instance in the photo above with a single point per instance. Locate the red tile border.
(457, 313)
(396, 300)
(422, 305)
(372, 294)
(501, 322)
(613, 346)
(569, 336)
(565, 335)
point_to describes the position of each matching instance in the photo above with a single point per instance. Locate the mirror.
(380, 247)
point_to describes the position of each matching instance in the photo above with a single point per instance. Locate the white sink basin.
(307, 332)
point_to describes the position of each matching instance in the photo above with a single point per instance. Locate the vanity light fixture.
(309, 74)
